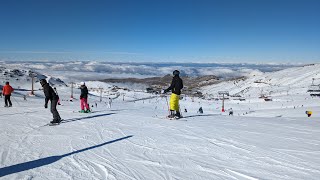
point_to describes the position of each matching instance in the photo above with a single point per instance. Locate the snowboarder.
(55, 90)
(175, 87)
(84, 98)
(53, 97)
(6, 92)
(109, 102)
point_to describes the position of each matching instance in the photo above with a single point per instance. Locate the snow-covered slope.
(288, 81)
(133, 140)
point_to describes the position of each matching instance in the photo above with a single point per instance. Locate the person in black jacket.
(84, 98)
(53, 97)
(175, 87)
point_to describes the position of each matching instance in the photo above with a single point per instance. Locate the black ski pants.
(7, 100)
(54, 110)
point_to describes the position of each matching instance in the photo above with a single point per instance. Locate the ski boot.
(82, 111)
(171, 116)
(54, 121)
(88, 111)
(177, 115)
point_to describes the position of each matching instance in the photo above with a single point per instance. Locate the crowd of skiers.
(51, 95)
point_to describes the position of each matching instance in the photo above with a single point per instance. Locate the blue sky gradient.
(161, 30)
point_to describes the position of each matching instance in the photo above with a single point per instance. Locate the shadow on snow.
(48, 160)
(87, 117)
(200, 115)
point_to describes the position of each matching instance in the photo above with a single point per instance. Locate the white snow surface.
(134, 140)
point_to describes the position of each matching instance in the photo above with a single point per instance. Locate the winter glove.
(46, 106)
(165, 91)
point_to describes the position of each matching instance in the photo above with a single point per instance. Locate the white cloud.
(100, 70)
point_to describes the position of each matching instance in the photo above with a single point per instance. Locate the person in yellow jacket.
(309, 113)
(175, 87)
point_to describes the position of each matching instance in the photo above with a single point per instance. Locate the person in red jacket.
(6, 91)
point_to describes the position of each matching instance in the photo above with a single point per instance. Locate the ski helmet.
(176, 73)
(43, 82)
(82, 83)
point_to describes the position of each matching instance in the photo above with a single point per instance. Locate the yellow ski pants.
(174, 102)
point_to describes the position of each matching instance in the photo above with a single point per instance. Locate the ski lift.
(314, 89)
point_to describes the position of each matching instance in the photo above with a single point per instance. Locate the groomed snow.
(133, 140)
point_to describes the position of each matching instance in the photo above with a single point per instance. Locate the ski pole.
(16, 100)
(167, 105)
(180, 110)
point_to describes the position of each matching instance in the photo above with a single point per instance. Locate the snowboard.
(83, 112)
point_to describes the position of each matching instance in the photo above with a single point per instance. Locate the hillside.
(289, 81)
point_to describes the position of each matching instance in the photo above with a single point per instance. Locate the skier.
(175, 87)
(84, 98)
(230, 112)
(309, 113)
(200, 110)
(109, 102)
(6, 92)
(55, 90)
(53, 97)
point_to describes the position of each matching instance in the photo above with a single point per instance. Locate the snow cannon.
(309, 113)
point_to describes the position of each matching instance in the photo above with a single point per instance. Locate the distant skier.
(84, 98)
(309, 113)
(109, 102)
(230, 112)
(200, 110)
(6, 92)
(175, 87)
(53, 97)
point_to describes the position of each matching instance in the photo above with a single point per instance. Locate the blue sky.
(161, 30)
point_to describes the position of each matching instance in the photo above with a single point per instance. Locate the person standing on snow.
(109, 102)
(230, 112)
(84, 98)
(175, 87)
(53, 97)
(6, 92)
